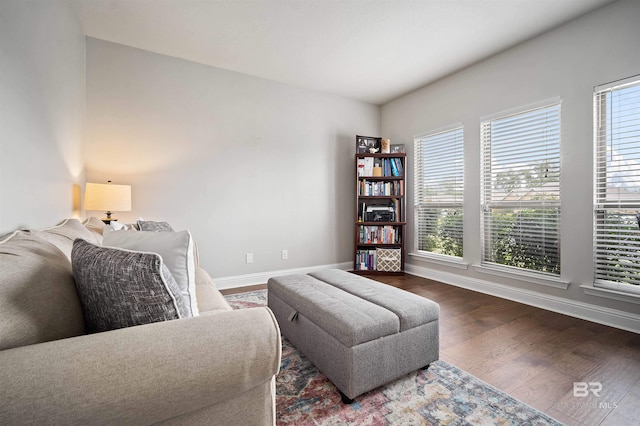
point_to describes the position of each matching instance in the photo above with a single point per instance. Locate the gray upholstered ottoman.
(358, 332)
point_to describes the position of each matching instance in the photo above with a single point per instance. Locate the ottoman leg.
(345, 398)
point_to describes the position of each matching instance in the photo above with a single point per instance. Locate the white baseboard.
(262, 277)
(599, 314)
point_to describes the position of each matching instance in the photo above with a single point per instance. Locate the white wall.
(246, 164)
(42, 53)
(567, 62)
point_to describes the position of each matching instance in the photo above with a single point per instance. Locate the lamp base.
(108, 219)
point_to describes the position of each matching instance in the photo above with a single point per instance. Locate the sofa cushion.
(351, 320)
(114, 225)
(149, 225)
(412, 310)
(176, 249)
(121, 288)
(63, 235)
(96, 226)
(38, 299)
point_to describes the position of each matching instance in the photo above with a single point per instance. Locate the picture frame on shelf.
(361, 145)
(373, 146)
(367, 145)
(397, 148)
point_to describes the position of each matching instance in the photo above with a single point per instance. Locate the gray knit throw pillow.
(122, 288)
(149, 225)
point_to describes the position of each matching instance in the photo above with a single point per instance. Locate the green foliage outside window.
(514, 245)
(619, 258)
(444, 236)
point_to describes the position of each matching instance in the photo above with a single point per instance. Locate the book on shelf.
(387, 234)
(366, 260)
(394, 167)
(368, 166)
(369, 188)
(399, 167)
(379, 167)
(396, 208)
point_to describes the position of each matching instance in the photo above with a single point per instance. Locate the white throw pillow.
(176, 250)
(117, 226)
(63, 235)
(96, 226)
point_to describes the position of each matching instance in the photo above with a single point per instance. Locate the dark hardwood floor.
(535, 355)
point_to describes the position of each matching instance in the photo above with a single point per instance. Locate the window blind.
(617, 186)
(521, 189)
(439, 182)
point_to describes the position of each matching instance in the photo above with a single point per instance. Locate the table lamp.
(107, 197)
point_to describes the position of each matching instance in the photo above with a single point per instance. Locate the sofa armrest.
(208, 297)
(140, 375)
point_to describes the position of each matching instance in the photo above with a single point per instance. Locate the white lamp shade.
(107, 197)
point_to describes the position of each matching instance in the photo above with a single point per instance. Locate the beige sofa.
(217, 368)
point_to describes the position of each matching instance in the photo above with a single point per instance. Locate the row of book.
(370, 166)
(380, 235)
(376, 189)
(366, 260)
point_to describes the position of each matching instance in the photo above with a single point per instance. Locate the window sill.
(534, 278)
(440, 259)
(623, 296)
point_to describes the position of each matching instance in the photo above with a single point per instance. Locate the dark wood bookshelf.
(381, 223)
(363, 155)
(393, 172)
(367, 272)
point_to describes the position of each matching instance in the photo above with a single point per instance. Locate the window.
(521, 189)
(617, 186)
(438, 191)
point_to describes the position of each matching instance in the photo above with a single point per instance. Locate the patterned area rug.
(440, 395)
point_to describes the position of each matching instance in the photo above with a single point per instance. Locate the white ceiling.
(369, 50)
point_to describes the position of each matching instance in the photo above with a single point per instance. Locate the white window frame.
(615, 191)
(454, 160)
(489, 191)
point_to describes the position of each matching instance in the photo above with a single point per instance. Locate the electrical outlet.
(249, 257)
(284, 254)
